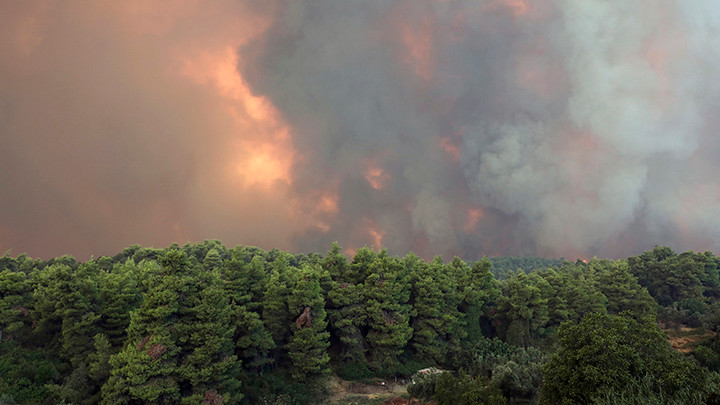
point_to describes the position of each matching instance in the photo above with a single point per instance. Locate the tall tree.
(118, 294)
(245, 285)
(277, 316)
(479, 292)
(346, 307)
(179, 342)
(523, 308)
(212, 260)
(387, 295)
(66, 301)
(15, 305)
(436, 322)
(307, 347)
(623, 291)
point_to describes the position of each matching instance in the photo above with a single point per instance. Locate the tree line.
(206, 324)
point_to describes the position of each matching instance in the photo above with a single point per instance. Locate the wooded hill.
(206, 324)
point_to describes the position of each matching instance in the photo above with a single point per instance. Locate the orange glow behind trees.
(376, 176)
(376, 234)
(518, 8)
(450, 148)
(264, 147)
(418, 43)
(473, 216)
(328, 202)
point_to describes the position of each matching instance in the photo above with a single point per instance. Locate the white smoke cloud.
(583, 176)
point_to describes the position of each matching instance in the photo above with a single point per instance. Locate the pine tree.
(523, 307)
(15, 301)
(179, 342)
(623, 291)
(346, 307)
(575, 293)
(66, 301)
(479, 292)
(247, 281)
(307, 347)
(212, 260)
(118, 294)
(387, 295)
(244, 284)
(277, 317)
(437, 323)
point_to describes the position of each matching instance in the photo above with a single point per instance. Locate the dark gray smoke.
(585, 127)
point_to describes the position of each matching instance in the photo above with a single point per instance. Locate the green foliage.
(199, 252)
(502, 266)
(575, 293)
(622, 290)
(437, 323)
(179, 341)
(244, 283)
(118, 294)
(276, 314)
(99, 361)
(188, 325)
(479, 292)
(355, 371)
(465, 390)
(346, 307)
(516, 371)
(66, 300)
(387, 293)
(423, 386)
(604, 352)
(307, 347)
(15, 300)
(671, 278)
(212, 260)
(522, 309)
(25, 373)
(648, 391)
(278, 388)
(708, 354)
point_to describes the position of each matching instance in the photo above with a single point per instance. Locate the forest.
(207, 324)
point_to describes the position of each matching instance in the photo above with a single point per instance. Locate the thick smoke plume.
(577, 127)
(549, 127)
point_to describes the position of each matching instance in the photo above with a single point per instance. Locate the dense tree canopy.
(203, 323)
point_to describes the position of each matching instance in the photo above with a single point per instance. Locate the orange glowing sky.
(376, 176)
(446, 127)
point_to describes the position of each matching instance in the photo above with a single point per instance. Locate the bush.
(518, 381)
(605, 353)
(423, 386)
(354, 372)
(465, 390)
(279, 388)
(516, 371)
(646, 391)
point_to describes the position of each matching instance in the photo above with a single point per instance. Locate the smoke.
(581, 127)
(549, 127)
(126, 122)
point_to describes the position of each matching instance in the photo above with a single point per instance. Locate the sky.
(556, 128)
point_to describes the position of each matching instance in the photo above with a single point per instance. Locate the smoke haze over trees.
(552, 128)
